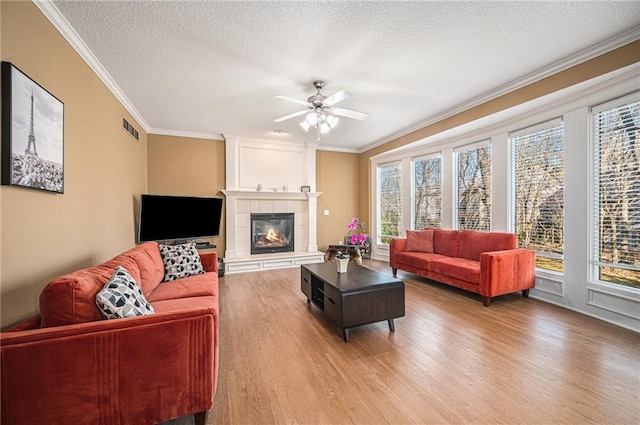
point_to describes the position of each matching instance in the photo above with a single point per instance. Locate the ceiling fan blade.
(338, 96)
(286, 117)
(350, 114)
(294, 100)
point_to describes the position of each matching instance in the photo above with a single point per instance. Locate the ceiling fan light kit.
(321, 113)
(333, 121)
(312, 118)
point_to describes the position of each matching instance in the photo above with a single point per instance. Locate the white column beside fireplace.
(250, 162)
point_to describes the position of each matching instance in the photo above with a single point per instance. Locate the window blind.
(473, 187)
(389, 201)
(427, 192)
(616, 213)
(538, 191)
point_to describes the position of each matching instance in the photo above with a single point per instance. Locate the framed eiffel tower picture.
(32, 133)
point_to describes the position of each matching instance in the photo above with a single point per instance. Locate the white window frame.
(594, 201)
(378, 221)
(547, 124)
(437, 155)
(457, 151)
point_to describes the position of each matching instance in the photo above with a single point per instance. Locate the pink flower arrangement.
(355, 237)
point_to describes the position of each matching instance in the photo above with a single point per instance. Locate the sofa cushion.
(473, 243)
(147, 257)
(192, 286)
(180, 261)
(71, 298)
(416, 259)
(122, 297)
(446, 242)
(419, 241)
(458, 268)
(186, 304)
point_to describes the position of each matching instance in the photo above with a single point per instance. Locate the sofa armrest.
(141, 370)
(32, 322)
(504, 272)
(209, 261)
(396, 245)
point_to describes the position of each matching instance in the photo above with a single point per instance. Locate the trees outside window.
(538, 191)
(389, 201)
(617, 191)
(427, 190)
(474, 187)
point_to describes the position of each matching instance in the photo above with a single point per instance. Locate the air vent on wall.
(129, 128)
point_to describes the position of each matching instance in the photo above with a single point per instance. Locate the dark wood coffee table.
(358, 297)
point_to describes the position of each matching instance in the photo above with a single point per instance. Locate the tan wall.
(608, 62)
(45, 235)
(337, 178)
(186, 166)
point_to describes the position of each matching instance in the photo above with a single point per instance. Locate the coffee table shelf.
(358, 297)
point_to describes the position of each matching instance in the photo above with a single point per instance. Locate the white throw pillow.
(122, 297)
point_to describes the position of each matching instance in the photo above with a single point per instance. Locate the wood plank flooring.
(450, 360)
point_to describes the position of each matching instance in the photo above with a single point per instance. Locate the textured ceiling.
(215, 67)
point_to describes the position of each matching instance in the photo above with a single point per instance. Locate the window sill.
(614, 289)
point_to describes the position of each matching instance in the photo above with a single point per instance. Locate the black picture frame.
(305, 188)
(32, 133)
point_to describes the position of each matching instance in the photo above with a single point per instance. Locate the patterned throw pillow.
(122, 297)
(419, 241)
(180, 261)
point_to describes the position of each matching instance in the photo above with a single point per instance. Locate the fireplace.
(272, 232)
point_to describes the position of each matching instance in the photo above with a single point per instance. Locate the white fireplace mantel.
(254, 194)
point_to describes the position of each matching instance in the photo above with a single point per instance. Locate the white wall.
(575, 289)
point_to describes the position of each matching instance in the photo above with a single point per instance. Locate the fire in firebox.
(272, 239)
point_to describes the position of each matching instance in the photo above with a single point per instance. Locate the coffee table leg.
(392, 326)
(345, 335)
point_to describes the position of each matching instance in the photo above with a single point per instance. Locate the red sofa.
(487, 263)
(67, 365)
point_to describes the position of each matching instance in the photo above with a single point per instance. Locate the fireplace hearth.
(272, 232)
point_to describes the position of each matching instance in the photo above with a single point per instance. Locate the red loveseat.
(487, 263)
(67, 365)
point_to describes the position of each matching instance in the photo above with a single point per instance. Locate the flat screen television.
(171, 218)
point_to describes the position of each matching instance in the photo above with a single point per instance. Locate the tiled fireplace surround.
(274, 166)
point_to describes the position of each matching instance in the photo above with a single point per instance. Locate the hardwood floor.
(450, 360)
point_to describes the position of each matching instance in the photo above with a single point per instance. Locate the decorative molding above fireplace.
(271, 164)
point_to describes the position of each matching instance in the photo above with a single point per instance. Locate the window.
(389, 201)
(538, 191)
(474, 187)
(617, 191)
(427, 192)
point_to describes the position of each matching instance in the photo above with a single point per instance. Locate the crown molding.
(562, 65)
(337, 149)
(183, 133)
(63, 26)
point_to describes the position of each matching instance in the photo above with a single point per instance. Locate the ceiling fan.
(321, 112)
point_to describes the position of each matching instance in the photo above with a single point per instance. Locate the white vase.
(342, 264)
